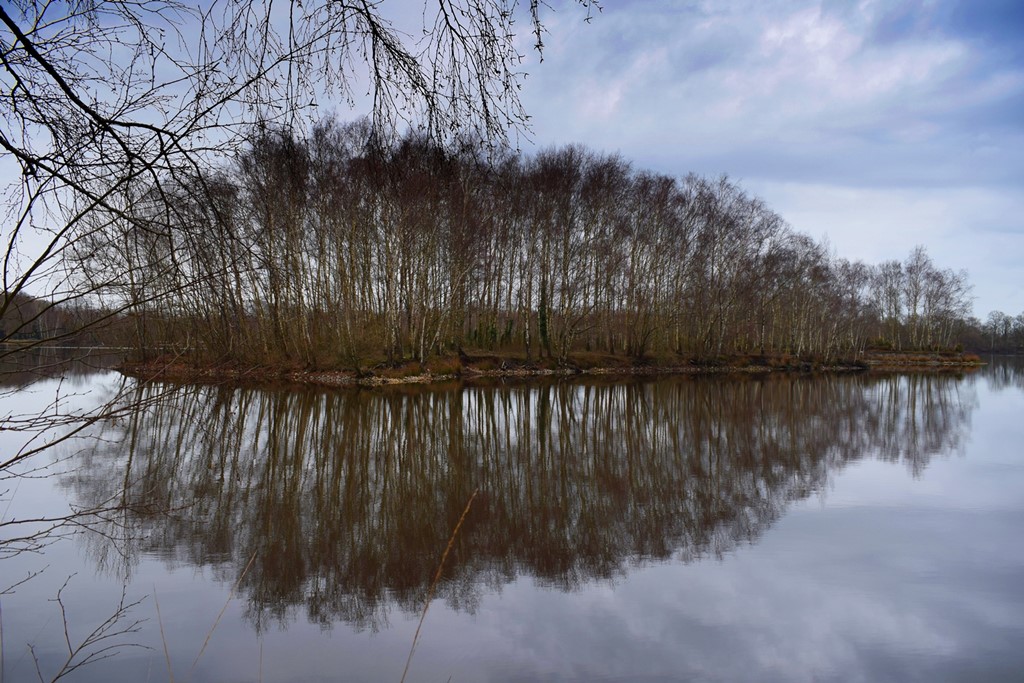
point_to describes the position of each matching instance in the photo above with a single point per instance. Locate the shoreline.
(481, 368)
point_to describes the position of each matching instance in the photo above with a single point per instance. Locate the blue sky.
(876, 125)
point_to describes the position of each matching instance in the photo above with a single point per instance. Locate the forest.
(341, 248)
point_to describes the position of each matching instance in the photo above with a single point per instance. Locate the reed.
(433, 584)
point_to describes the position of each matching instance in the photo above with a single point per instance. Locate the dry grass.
(209, 634)
(433, 584)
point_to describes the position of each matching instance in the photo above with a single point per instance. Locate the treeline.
(29, 320)
(339, 249)
(1001, 332)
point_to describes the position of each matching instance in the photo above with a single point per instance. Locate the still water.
(780, 528)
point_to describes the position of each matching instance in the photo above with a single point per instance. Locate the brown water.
(683, 529)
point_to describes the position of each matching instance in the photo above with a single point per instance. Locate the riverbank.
(469, 367)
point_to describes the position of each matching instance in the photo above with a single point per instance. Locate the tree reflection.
(347, 498)
(24, 367)
(1004, 372)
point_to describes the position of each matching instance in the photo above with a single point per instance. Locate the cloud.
(915, 105)
(700, 83)
(972, 228)
(864, 603)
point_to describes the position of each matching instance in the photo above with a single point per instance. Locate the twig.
(1, 643)
(10, 589)
(222, 610)
(98, 640)
(433, 584)
(163, 638)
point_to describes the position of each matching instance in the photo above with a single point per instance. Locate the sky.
(876, 125)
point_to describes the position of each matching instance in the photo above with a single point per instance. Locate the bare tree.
(115, 112)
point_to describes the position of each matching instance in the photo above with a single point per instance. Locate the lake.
(764, 528)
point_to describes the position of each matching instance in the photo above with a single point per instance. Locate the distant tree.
(888, 297)
(997, 328)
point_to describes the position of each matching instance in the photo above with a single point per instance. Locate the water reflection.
(346, 499)
(1005, 372)
(21, 367)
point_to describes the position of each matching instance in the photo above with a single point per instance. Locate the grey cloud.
(866, 96)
